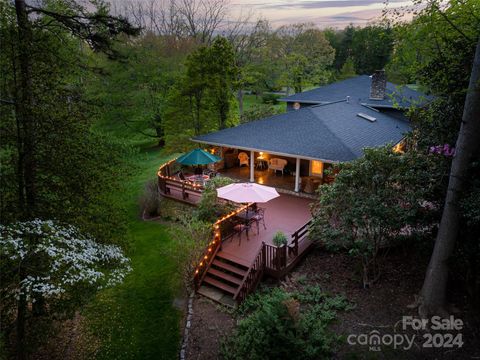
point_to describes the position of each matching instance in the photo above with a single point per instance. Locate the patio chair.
(211, 173)
(258, 218)
(239, 229)
(277, 164)
(181, 176)
(243, 157)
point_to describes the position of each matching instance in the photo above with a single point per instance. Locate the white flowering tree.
(48, 263)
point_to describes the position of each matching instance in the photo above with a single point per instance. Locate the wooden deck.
(285, 213)
(232, 265)
(263, 177)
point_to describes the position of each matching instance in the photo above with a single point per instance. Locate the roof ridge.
(330, 130)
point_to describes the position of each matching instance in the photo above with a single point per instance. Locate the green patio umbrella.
(197, 157)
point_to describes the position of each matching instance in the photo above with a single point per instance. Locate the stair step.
(217, 295)
(220, 285)
(225, 276)
(241, 263)
(231, 268)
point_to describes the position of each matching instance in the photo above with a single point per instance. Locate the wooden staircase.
(223, 279)
(227, 279)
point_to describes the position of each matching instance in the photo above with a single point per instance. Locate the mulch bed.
(210, 323)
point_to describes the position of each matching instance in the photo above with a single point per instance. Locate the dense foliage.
(210, 207)
(276, 324)
(54, 166)
(376, 200)
(368, 48)
(441, 41)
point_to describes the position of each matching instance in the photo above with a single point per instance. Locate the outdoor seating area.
(247, 223)
(285, 213)
(244, 243)
(262, 176)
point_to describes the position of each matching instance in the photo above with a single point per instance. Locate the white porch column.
(252, 166)
(297, 176)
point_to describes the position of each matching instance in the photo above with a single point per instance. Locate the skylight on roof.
(367, 117)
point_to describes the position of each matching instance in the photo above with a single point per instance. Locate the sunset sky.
(324, 13)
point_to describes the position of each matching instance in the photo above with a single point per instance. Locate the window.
(317, 168)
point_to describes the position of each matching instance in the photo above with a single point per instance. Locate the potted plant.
(279, 239)
(280, 259)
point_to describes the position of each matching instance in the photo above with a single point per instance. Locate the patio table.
(198, 178)
(262, 163)
(246, 216)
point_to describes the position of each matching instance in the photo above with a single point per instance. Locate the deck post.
(252, 166)
(297, 176)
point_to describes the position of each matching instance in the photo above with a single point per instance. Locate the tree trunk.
(433, 295)
(24, 107)
(288, 91)
(160, 135)
(240, 102)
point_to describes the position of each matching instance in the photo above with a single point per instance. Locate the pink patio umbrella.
(247, 193)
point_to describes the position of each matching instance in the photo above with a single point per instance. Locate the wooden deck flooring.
(286, 213)
(263, 177)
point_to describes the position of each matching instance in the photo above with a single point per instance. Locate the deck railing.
(207, 258)
(279, 260)
(253, 275)
(275, 257)
(168, 182)
(299, 236)
(220, 233)
(273, 260)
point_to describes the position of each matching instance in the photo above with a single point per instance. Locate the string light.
(216, 225)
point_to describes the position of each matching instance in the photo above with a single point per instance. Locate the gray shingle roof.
(358, 88)
(331, 132)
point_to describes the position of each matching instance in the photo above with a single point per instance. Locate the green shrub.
(150, 199)
(209, 209)
(277, 325)
(257, 112)
(279, 239)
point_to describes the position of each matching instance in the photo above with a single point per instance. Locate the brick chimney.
(378, 86)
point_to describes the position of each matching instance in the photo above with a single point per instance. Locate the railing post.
(184, 194)
(284, 256)
(277, 258)
(295, 246)
(264, 255)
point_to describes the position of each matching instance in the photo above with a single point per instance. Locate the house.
(321, 127)
(290, 151)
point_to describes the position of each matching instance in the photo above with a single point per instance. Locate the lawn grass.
(136, 320)
(251, 100)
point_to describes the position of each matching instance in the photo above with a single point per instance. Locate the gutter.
(267, 151)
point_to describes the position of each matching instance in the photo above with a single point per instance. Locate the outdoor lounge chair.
(243, 157)
(277, 164)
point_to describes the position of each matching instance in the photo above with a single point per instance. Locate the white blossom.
(71, 258)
